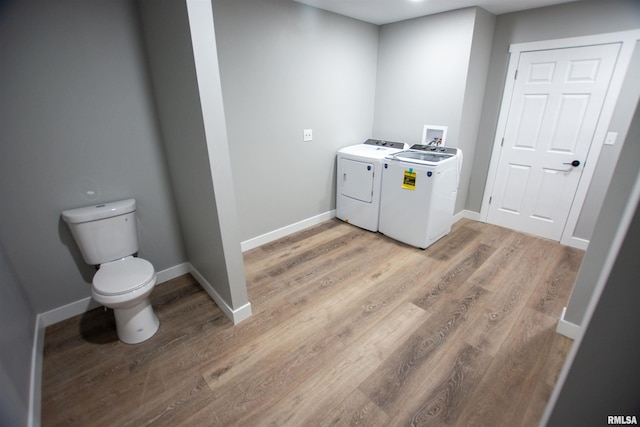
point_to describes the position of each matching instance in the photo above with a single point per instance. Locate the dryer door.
(356, 179)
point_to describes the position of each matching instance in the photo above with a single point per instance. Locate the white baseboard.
(237, 315)
(575, 242)
(67, 311)
(568, 329)
(173, 272)
(82, 306)
(466, 214)
(285, 231)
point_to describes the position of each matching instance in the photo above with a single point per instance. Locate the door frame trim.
(628, 40)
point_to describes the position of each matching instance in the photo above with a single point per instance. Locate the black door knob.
(575, 163)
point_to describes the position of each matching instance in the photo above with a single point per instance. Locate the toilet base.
(136, 324)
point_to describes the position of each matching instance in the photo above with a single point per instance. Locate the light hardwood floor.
(348, 328)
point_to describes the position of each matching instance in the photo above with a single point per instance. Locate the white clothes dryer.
(419, 189)
(359, 178)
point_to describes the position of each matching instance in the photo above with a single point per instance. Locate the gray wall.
(282, 71)
(422, 71)
(595, 257)
(190, 150)
(424, 78)
(286, 67)
(76, 115)
(17, 327)
(477, 74)
(554, 22)
(210, 89)
(428, 74)
(603, 379)
(609, 156)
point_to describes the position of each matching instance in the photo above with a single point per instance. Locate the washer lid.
(123, 276)
(421, 157)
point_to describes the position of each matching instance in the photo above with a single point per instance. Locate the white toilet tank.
(104, 232)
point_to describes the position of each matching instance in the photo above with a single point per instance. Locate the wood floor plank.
(319, 244)
(323, 303)
(302, 239)
(551, 296)
(290, 276)
(459, 239)
(349, 327)
(447, 384)
(490, 234)
(455, 277)
(251, 392)
(170, 408)
(356, 410)
(510, 380)
(509, 255)
(387, 287)
(490, 326)
(443, 403)
(395, 379)
(332, 384)
(548, 372)
(222, 369)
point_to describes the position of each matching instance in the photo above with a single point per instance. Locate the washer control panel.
(433, 148)
(383, 143)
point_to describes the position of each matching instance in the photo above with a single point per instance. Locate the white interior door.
(556, 101)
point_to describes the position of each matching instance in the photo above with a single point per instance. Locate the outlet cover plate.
(307, 135)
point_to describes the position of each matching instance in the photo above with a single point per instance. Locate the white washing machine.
(359, 177)
(419, 189)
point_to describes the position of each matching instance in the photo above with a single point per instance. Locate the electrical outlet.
(307, 135)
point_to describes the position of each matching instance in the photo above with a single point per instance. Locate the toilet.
(107, 237)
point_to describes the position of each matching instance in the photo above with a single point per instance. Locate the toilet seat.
(123, 276)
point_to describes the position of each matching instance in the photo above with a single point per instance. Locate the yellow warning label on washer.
(409, 181)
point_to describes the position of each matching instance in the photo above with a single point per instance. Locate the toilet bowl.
(107, 237)
(125, 285)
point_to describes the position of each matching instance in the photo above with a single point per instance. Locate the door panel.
(556, 102)
(356, 179)
(514, 188)
(530, 121)
(547, 197)
(571, 114)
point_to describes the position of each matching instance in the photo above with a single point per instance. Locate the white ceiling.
(385, 11)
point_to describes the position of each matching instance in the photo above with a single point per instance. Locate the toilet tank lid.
(96, 212)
